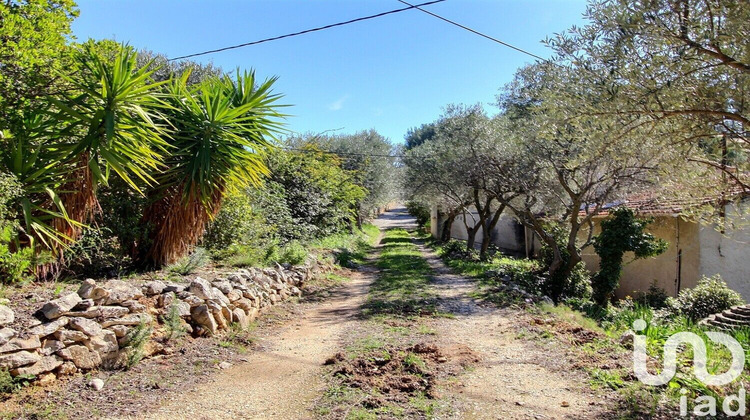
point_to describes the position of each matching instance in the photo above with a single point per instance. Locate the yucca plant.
(222, 129)
(107, 124)
(40, 176)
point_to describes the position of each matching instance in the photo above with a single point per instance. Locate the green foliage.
(710, 296)
(622, 232)
(420, 211)
(33, 50)
(293, 253)
(173, 322)
(190, 263)
(135, 343)
(365, 155)
(418, 135)
(655, 297)
(10, 384)
(234, 224)
(15, 266)
(97, 253)
(314, 195)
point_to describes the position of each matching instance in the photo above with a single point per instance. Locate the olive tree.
(564, 164)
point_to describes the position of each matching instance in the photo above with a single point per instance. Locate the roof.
(653, 204)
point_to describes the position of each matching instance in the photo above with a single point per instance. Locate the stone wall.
(89, 329)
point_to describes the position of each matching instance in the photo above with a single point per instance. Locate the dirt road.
(284, 378)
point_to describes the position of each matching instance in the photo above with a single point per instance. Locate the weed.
(606, 379)
(188, 264)
(426, 330)
(135, 343)
(173, 322)
(414, 363)
(10, 384)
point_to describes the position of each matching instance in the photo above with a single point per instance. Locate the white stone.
(18, 359)
(58, 307)
(201, 288)
(96, 384)
(26, 343)
(154, 287)
(86, 326)
(50, 327)
(6, 315)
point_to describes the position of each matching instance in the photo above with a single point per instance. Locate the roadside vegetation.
(601, 337)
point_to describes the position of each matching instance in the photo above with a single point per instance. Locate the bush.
(293, 253)
(237, 223)
(710, 296)
(655, 297)
(420, 211)
(15, 266)
(456, 250)
(97, 253)
(188, 264)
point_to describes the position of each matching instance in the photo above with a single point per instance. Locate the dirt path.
(516, 379)
(285, 376)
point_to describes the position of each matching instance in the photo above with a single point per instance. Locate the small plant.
(710, 296)
(293, 253)
(173, 322)
(414, 363)
(10, 384)
(135, 343)
(238, 336)
(655, 297)
(187, 265)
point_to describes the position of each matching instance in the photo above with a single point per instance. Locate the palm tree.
(222, 129)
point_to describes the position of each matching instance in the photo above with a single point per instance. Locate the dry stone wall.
(89, 329)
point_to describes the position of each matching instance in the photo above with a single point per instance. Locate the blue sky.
(389, 73)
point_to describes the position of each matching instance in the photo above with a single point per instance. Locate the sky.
(389, 74)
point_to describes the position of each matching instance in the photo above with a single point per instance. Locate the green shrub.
(15, 266)
(710, 296)
(10, 384)
(237, 223)
(97, 253)
(420, 211)
(655, 297)
(621, 232)
(188, 264)
(456, 250)
(293, 253)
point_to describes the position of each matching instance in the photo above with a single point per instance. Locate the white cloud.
(338, 104)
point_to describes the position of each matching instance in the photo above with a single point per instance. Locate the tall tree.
(570, 164)
(682, 67)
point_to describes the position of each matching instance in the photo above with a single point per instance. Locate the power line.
(473, 31)
(320, 28)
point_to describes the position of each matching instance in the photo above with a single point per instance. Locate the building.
(694, 250)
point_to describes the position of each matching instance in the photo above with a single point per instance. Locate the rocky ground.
(322, 356)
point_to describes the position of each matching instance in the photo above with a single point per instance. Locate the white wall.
(728, 254)
(507, 234)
